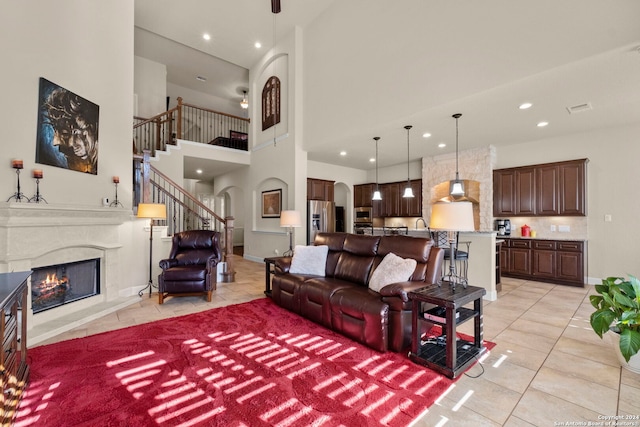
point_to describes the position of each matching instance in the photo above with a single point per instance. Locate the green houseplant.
(618, 309)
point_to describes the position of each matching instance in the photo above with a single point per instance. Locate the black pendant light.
(376, 194)
(456, 187)
(408, 191)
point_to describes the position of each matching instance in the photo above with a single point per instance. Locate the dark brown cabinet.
(392, 203)
(320, 189)
(555, 261)
(13, 330)
(363, 195)
(552, 189)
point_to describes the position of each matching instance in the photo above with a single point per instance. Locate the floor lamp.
(452, 217)
(290, 219)
(152, 211)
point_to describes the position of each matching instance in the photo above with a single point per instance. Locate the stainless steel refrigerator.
(320, 218)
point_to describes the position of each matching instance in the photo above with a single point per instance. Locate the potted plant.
(618, 310)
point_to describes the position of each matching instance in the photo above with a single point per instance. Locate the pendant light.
(376, 194)
(456, 187)
(244, 103)
(408, 191)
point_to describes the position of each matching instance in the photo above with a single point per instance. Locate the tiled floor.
(547, 368)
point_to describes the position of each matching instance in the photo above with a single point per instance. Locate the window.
(271, 103)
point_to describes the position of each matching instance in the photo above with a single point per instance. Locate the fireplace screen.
(60, 284)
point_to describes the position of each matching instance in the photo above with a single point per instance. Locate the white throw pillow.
(392, 269)
(309, 260)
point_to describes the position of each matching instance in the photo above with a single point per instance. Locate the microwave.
(363, 215)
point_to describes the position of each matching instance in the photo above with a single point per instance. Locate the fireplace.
(56, 285)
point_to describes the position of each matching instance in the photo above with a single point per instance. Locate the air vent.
(579, 108)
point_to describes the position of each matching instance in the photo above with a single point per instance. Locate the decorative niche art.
(271, 203)
(67, 134)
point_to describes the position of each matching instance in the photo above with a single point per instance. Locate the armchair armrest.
(283, 264)
(402, 289)
(168, 263)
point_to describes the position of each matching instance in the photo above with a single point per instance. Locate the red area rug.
(251, 364)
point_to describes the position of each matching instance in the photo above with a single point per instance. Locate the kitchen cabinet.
(320, 189)
(555, 261)
(362, 195)
(392, 203)
(551, 189)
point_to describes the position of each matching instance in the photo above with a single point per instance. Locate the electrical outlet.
(607, 218)
(277, 252)
(553, 227)
(564, 228)
(105, 201)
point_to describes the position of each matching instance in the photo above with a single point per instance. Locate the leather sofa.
(342, 300)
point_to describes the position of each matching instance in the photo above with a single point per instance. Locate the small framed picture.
(271, 203)
(234, 134)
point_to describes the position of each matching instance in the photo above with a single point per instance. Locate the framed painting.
(67, 133)
(271, 203)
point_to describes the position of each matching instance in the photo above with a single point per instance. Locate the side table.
(450, 356)
(269, 264)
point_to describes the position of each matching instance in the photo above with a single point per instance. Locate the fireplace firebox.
(55, 285)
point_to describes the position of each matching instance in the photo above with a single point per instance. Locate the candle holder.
(18, 195)
(37, 174)
(116, 203)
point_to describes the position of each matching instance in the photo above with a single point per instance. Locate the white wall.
(149, 86)
(612, 175)
(204, 100)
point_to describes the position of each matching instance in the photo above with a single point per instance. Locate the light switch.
(564, 228)
(553, 227)
(607, 218)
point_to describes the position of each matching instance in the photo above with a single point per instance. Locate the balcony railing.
(190, 122)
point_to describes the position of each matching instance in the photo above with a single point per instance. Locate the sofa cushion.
(357, 258)
(309, 260)
(392, 269)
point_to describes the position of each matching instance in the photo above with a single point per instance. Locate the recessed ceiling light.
(198, 170)
(442, 145)
(258, 45)
(525, 106)
(372, 160)
(542, 124)
(426, 135)
(201, 78)
(206, 36)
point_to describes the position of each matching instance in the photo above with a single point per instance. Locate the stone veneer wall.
(475, 164)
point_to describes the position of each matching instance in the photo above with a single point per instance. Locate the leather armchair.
(191, 267)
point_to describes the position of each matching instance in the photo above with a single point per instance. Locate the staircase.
(184, 211)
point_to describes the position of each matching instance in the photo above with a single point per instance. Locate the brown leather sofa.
(342, 300)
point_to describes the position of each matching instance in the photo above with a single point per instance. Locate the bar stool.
(460, 257)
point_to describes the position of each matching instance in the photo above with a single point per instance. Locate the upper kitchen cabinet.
(412, 206)
(552, 189)
(320, 189)
(363, 195)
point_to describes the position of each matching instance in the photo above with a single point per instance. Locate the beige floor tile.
(543, 410)
(527, 339)
(598, 352)
(581, 367)
(533, 327)
(485, 397)
(514, 421)
(629, 400)
(447, 414)
(630, 378)
(509, 375)
(596, 397)
(516, 354)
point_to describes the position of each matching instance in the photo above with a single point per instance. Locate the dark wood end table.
(269, 265)
(450, 356)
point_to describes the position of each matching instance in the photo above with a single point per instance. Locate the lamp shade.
(290, 219)
(453, 216)
(152, 210)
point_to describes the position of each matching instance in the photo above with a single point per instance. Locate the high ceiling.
(373, 66)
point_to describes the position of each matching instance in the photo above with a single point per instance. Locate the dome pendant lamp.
(456, 187)
(376, 194)
(408, 191)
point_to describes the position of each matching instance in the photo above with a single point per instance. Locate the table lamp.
(452, 217)
(290, 219)
(152, 211)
